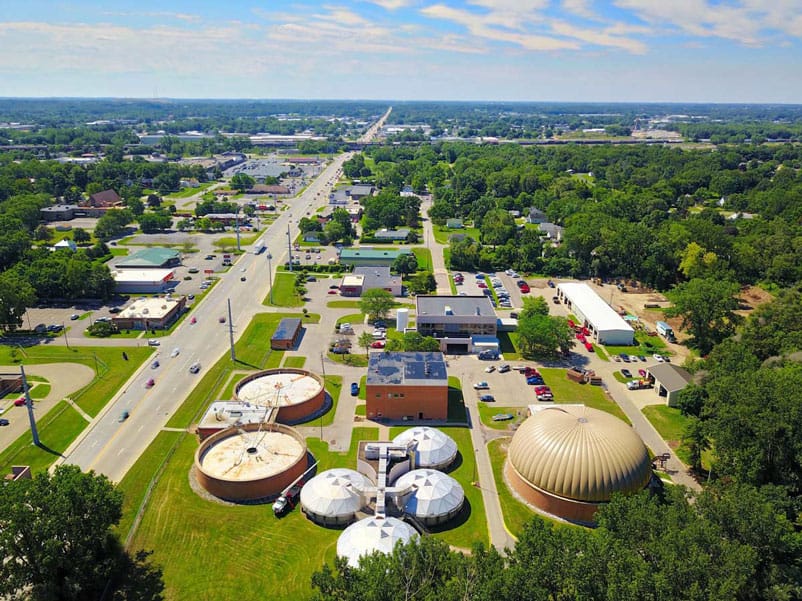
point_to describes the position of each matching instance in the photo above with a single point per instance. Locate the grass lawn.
(40, 391)
(442, 234)
(351, 318)
(646, 345)
(600, 352)
(187, 192)
(514, 513)
(343, 304)
(57, 429)
(566, 391)
(468, 527)
(670, 423)
(357, 359)
(334, 386)
(424, 256)
(456, 402)
(362, 390)
(488, 410)
(284, 294)
(507, 345)
(295, 361)
(360, 410)
(451, 284)
(447, 257)
(228, 541)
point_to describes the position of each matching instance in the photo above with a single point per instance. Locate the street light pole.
(66, 340)
(289, 243)
(270, 275)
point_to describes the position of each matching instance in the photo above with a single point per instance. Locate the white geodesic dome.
(431, 496)
(334, 497)
(373, 534)
(433, 448)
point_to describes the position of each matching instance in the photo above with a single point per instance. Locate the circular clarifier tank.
(296, 393)
(251, 462)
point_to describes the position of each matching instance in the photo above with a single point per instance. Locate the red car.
(482, 285)
(332, 291)
(571, 324)
(525, 288)
(20, 402)
(589, 346)
(378, 344)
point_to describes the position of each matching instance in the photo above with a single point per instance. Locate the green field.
(187, 192)
(671, 424)
(239, 551)
(566, 391)
(488, 410)
(284, 294)
(514, 512)
(295, 361)
(470, 526)
(343, 304)
(334, 386)
(456, 401)
(355, 359)
(442, 234)
(424, 256)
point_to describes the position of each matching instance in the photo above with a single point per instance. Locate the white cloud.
(478, 26)
(390, 4)
(598, 38)
(580, 8)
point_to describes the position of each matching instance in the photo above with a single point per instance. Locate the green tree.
(242, 182)
(422, 283)
(497, 227)
(376, 303)
(16, 295)
(57, 542)
(543, 336)
(533, 306)
(405, 264)
(365, 340)
(706, 307)
(80, 236)
(43, 233)
(154, 222)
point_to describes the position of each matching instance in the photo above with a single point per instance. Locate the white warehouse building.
(605, 325)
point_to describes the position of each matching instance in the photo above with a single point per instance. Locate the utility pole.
(66, 340)
(231, 332)
(270, 275)
(29, 405)
(289, 243)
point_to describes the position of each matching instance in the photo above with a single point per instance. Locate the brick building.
(406, 386)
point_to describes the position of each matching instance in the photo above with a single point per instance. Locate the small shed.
(286, 335)
(669, 380)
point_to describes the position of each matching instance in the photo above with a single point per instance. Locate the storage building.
(669, 380)
(605, 325)
(143, 281)
(287, 334)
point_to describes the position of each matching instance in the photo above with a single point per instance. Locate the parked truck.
(258, 246)
(665, 330)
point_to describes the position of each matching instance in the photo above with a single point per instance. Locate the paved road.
(438, 262)
(109, 446)
(374, 129)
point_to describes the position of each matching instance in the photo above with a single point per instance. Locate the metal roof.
(336, 493)
(370, 253)
(150, 257)
(595, 310)
(376, 277)
(433, 448)
(407, 369)
(580, 453)
(434, 494)
(671, 377)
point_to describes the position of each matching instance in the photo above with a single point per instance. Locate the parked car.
(332, 292)
(193, 270)
(525, 288)
(501, 417)
(626, 373)
(115, 310)
(20, 402)
(74, 316)
(642, 373)
(543, 393)
(503, 368)
(588, 347)
(490, 369)
(487, 398)
(354, 389)
(550, 283)
(334, 287)
(4, 422)
(624, 357)
(175, 352)
(378, 344)
(658, 358)
(555, 300)
(481, 385)
(153, 342)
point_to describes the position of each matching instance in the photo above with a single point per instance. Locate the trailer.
(258, 246)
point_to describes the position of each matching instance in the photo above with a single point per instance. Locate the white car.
(658, 358)
(175, 352)
(153, 342)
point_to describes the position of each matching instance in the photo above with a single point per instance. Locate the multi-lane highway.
(111, 446)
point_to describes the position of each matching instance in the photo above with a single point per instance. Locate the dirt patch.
(751, 298)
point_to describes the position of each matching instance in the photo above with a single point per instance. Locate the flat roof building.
(143, 281)
(605, 325)
(151, 258)
(156, 313)
(369, 257)
(287, 333)
(393, 235)
(455, 320)
(406, 385)
(368, 278)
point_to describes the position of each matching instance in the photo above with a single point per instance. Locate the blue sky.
(549, 50)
